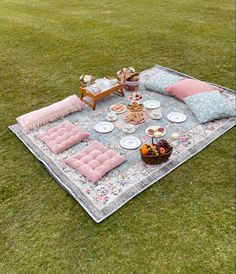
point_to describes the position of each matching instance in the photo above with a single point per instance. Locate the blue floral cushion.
(160, 81)
(209, 106)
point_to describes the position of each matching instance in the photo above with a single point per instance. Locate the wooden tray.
(119, 88)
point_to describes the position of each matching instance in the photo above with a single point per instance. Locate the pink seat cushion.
(95, 161)
(62, 137)
(189, 87)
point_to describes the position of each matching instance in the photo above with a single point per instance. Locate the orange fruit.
(144, 150)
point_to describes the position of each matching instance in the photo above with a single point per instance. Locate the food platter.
(135, 107)
(155, 131)
(118, 108)
(135, 118)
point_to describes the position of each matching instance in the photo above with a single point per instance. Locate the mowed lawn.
(183, 224)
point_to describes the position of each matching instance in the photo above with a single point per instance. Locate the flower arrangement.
(86, 80)
(156, 153)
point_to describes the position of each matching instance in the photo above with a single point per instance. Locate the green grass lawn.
(184, 224)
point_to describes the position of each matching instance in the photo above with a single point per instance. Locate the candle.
(175, 136)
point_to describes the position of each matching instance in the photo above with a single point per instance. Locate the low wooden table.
(119, 89)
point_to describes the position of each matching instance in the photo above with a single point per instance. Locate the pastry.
(118, 108)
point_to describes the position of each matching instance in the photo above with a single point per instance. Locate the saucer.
(111, 119)
(128, 131)
(155, 117)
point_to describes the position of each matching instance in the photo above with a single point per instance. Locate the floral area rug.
(132, 177)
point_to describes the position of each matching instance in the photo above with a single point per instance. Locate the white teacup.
(111, 115)
(156, 113)
(128, 127)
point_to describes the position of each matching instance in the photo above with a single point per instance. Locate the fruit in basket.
(156, 153)
(162, 150)
(144, 150)
(162, 147)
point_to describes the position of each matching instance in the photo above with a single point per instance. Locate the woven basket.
(153, 159)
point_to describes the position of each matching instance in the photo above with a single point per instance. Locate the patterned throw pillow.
(209, 106)
(160, 81)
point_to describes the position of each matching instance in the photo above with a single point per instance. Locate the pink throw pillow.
(41, 116)
(95, 160)
(189, 87)
(62, 137)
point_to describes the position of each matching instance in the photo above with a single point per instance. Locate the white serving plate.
(151, 104)
(104, 127)
(130, 142)
(153, 127)
(176, 117)
(118, 112)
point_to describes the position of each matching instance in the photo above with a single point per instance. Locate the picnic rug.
(133, 176)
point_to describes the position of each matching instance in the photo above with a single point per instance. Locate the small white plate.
(176, 117)
(104, 127)
(130, 142)
(128, 131)
(151, 104)
(118, 112)
(154, 127)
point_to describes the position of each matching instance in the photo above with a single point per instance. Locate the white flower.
(87, 78)
(81, 78)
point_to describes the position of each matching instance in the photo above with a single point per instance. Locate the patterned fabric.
(159, 82)
(132, 177)
(95, 160)
(189, 87)
(62, 137)
(50, 113)
(209, 106)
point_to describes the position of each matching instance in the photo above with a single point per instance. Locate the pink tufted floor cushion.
(189, 87)
(62, 137)
(41, 116)
(95, 161)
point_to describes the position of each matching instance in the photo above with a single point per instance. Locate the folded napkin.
(41, 116)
